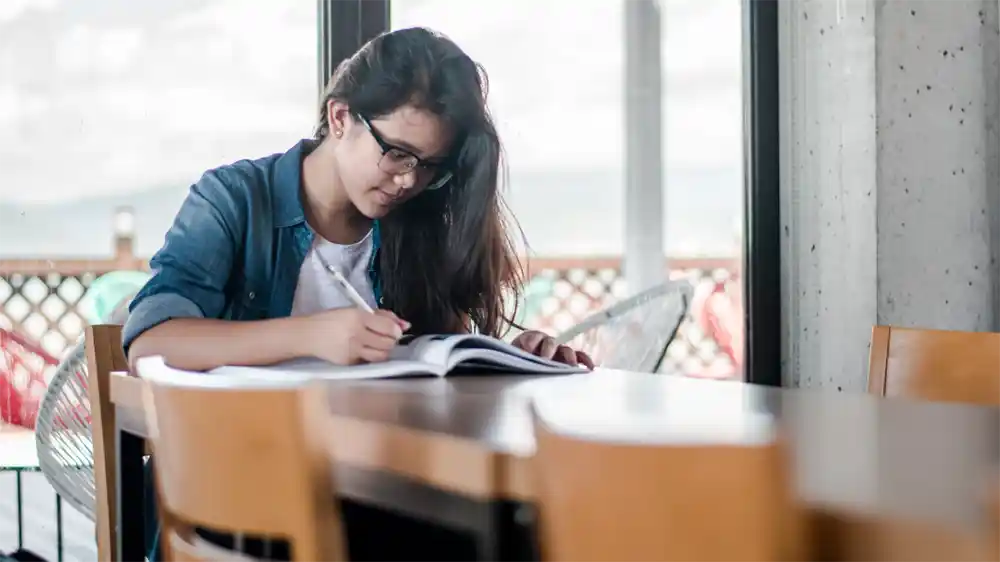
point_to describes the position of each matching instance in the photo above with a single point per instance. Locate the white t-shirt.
(316, 290)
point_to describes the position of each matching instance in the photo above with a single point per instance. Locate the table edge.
(442, 461)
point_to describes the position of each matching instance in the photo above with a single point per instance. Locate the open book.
(430, 355)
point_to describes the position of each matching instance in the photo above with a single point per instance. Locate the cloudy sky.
(117, 95)
(111, 97)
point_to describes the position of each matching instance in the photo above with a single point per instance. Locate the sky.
(109, 98)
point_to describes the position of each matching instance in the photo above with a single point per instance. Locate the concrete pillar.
(644, 244)
(890, 176)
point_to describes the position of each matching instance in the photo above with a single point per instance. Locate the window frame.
(345, 25)
(761, 210)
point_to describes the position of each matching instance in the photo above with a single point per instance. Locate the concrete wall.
(890, 176)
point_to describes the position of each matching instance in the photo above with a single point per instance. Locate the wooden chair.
(993, 501)
(240, 458)
(938, 365)
(676, 499)
(935, 365)
(104, 355)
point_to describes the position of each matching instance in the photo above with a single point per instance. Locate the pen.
(352, 295)
(345, 287)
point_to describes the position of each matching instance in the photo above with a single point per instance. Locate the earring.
(338, 133)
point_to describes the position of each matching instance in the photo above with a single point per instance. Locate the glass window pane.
(109, 111)
(557, 92)
(702, 49)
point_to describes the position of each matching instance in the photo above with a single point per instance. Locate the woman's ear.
(338, 115)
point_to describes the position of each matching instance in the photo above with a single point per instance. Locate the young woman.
(399, 190)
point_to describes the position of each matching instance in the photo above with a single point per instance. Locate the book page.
(494, 360)
(313, 369)
(471, 350)
(500, 346)
(433, 349)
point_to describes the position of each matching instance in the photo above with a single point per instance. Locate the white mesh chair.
(63, 436)
(633, 335)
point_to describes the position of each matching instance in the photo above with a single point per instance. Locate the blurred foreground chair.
(634, 334)
(935, 365)
(224, 470)
(684, 492)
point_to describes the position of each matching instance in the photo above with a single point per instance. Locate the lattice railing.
(43, 304)
(44, 307)
(565, 291)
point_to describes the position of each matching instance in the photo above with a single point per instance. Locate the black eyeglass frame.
(442, 173)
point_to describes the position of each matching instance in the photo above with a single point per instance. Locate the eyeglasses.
(398, 161)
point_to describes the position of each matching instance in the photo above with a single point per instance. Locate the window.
(109, 111)
(557, 92)
(114, 105)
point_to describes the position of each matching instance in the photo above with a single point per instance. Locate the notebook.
(430, 355)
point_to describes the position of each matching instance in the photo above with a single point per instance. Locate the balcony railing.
(40, 298)
(31, 513)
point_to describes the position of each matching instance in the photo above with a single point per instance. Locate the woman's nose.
(406, 180)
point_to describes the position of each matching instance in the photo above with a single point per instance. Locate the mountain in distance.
(564, 212)
(85, 227)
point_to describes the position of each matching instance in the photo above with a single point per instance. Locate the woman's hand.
(542, 345)
(348, 336)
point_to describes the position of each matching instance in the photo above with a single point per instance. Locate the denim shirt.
(235, 248)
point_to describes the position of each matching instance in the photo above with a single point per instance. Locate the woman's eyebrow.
(410, 148)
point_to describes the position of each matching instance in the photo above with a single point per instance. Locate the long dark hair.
(447, 257)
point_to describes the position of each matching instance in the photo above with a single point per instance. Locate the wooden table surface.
(851, 452)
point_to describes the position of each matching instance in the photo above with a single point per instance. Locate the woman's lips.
(384, 198)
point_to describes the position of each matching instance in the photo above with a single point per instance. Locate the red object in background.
(22, 378)
(720, 315)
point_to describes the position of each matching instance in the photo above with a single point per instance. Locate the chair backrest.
(682, 500)
(104, 355)
(634, 334)
(189, 547)
(935, 365)
(993, 513)
(243, 458)
(64, 434)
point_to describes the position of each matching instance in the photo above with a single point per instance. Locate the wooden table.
(455, 452)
